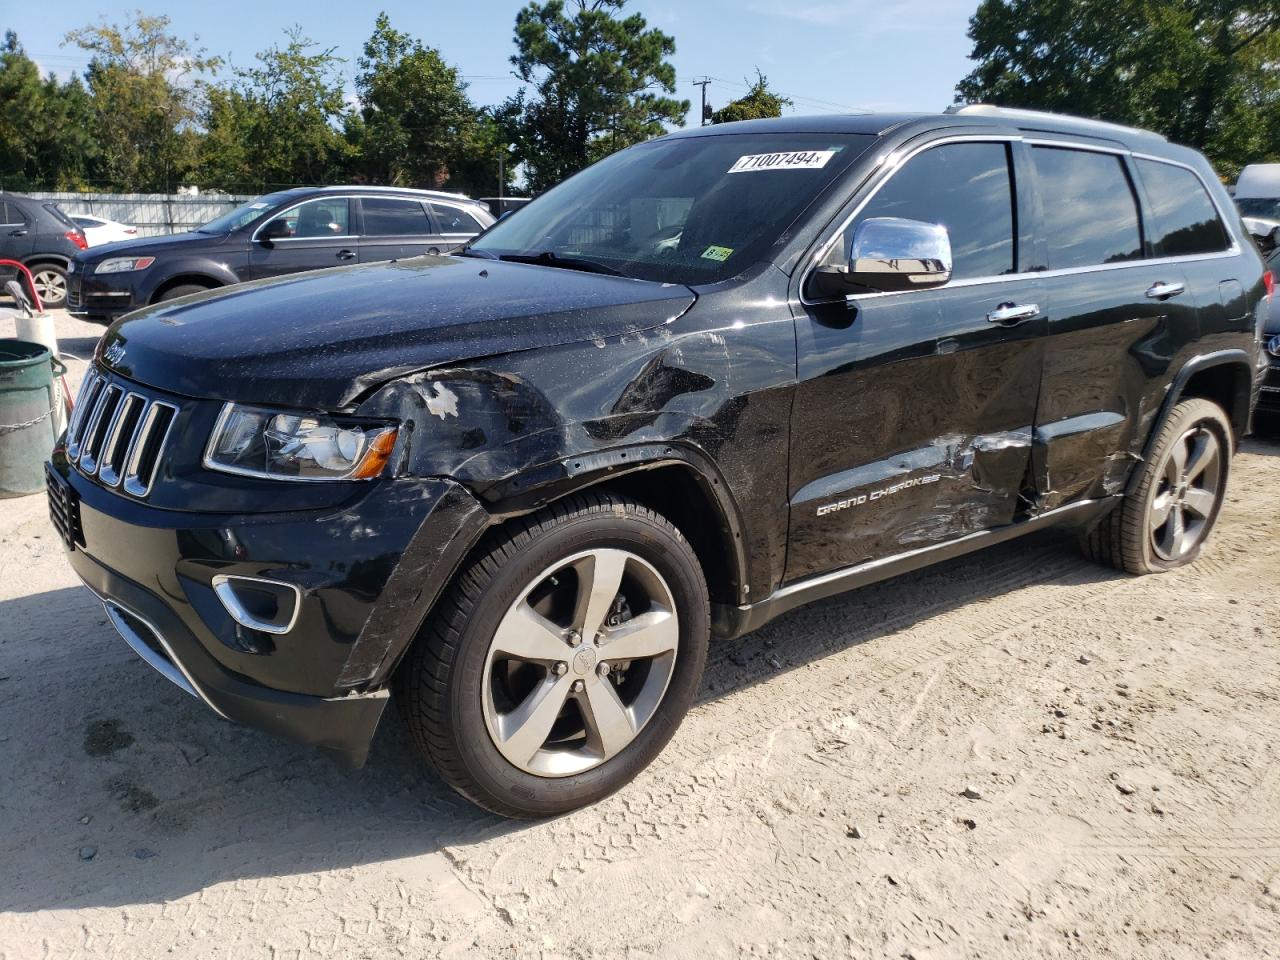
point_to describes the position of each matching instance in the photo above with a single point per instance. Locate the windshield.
(1259, 207)
(686, 210)
(240, 216)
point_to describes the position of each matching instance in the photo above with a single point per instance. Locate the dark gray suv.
(43, 239)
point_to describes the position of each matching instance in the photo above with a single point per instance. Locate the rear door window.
(394, 217)
(1090, 213)
(454, 219)
(12, 213)
(965, 187)
(1185, 221)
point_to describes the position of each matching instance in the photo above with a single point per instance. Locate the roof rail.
(428, 193)
(1044, 116)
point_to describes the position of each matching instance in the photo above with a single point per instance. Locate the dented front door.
(912, 422)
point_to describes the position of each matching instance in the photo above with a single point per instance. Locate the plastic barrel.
(28, 397)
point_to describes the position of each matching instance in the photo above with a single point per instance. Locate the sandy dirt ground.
(1014, 755)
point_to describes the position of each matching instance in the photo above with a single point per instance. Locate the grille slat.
(118, 435)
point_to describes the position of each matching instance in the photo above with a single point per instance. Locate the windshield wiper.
(548, 258)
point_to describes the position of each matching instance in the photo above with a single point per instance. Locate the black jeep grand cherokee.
(708, 379)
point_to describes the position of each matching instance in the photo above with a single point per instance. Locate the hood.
(141, 246)
(321, 339)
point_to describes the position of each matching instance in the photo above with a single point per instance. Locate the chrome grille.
(116, 434)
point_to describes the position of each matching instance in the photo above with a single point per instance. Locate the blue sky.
(829, 56)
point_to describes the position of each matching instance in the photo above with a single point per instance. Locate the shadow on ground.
(105, 759)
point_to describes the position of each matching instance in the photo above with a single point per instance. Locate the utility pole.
(702, 114)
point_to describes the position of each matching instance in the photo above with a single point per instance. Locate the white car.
(99, 231)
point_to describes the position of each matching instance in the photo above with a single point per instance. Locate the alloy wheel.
(1187, 494)
(580, 662)
(51, 286)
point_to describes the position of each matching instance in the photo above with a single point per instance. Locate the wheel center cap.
(584, 661)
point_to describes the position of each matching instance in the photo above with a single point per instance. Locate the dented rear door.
(914, 411)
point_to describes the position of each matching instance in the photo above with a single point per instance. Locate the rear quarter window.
(1185, 221)
(1090, 213)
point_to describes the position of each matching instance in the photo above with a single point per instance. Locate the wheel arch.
(1224, 377)
(181, 279)
(678, 482)
(57, 259)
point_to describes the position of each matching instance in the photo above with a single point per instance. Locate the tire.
(182, 290)
(1132, 537)
(461, 693)
(51, 284)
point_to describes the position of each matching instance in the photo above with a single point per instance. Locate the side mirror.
(889, 254)
(275, 230)
(1265, 233)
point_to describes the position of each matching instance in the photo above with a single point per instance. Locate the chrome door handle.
(1163, 291)
(346, 255)
(1010, 314)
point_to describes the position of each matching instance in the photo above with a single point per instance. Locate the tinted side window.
(324, 217)
(12, 213)
(454, 219)
(967, 188)
(1185, 221)
(1090, 215)
(389, 216)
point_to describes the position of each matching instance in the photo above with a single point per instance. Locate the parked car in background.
(98, 230)
(1258, 191)
(307, 228)
(524, 486)
(43, 239)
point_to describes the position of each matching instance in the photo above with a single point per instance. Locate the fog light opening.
(259, 604)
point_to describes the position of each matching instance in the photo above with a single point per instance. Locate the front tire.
(182, 290)
(561, 661)
(1174, 496)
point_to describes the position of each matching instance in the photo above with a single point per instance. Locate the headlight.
(124, 264)
(284, 445)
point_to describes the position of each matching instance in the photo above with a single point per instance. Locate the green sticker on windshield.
(719, 254)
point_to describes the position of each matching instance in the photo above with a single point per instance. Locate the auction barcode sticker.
(792, 160)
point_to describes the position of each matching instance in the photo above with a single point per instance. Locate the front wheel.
(560, 661)
(1174, 496)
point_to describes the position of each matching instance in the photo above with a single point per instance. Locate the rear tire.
(1174, 496)
(561, 660)
(50, 281)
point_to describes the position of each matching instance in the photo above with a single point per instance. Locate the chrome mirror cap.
(890, 253)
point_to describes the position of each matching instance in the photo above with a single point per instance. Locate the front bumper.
(365, 576)
(107, 297)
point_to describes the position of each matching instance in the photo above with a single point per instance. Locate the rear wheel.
(1174, 496)
(50, 281)
(561, 661)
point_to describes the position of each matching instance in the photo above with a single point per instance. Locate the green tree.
(145, 100)
(597, 86)
(1202, 72)
(759, 103)
(44, 125)
(416, 126)
(276, 123)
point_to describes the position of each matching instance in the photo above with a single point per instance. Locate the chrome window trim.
(893, 161)
(452, 201)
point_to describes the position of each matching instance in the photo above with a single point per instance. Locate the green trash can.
(28, 421)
